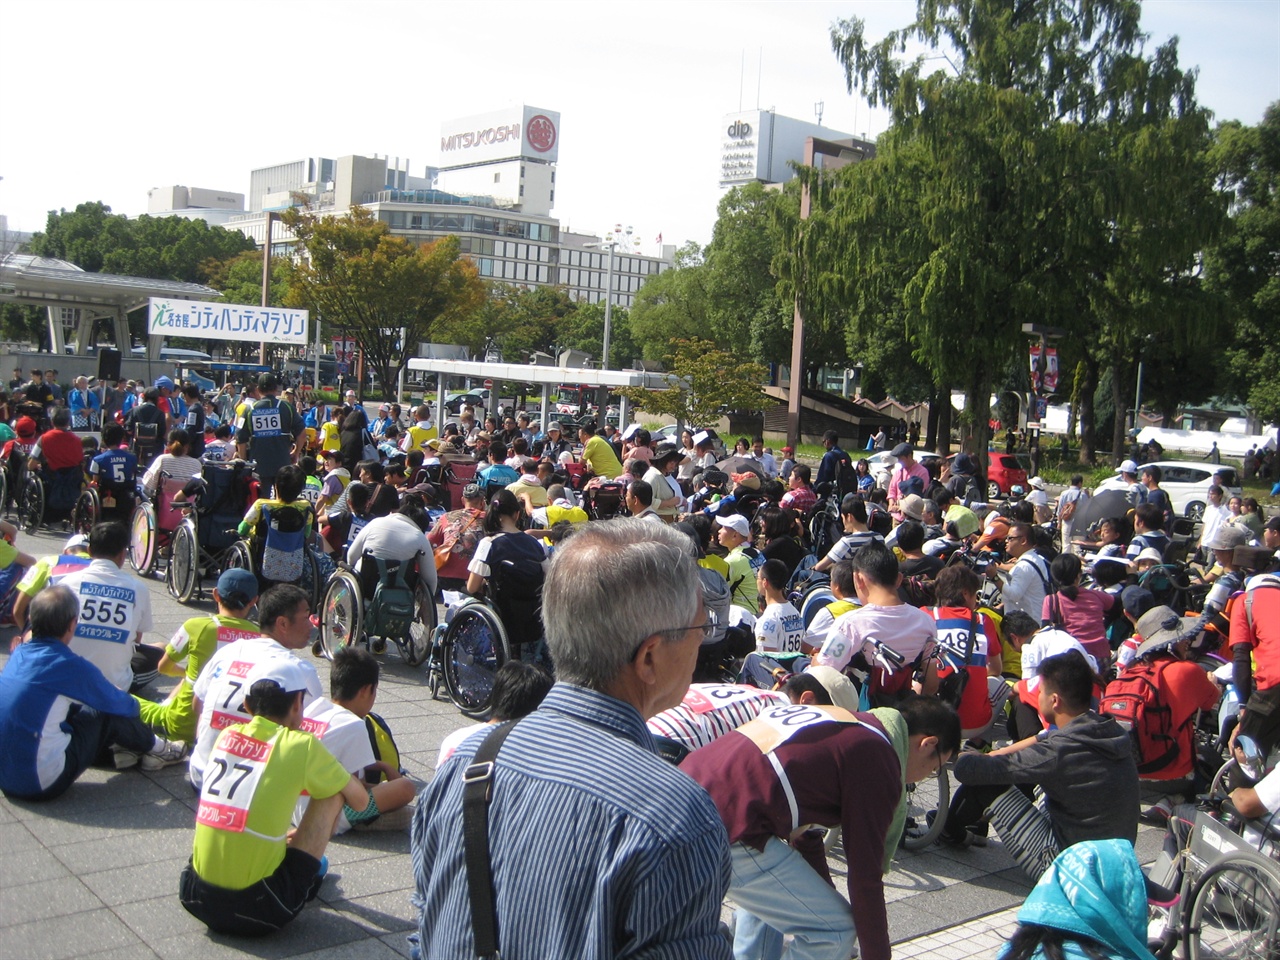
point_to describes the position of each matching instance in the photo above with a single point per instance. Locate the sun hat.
(1161, 628)
(1228, 537)
(1037, 482)
(912, 506)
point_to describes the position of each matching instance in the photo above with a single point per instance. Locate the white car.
(1187, 484)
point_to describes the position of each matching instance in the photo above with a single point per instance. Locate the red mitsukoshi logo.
(541, 133)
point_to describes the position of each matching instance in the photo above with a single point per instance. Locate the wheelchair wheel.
(4, 492)
(142, 542)
(87, 511)
(310, 581)
(417, 645)
(239, 557)
(31, 504)
(1235, 911)
(475, 646)
(342, 614)
(927, 803)
(183, 572)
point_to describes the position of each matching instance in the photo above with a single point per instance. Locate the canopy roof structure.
(55, 284)
(545, 376)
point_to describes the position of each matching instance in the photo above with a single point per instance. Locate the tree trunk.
(1088, 377)
(931, 424)
(1121, 399)
(946, 414)
(976, 434)
(1169, 414)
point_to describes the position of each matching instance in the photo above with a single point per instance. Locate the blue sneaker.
(324, 868)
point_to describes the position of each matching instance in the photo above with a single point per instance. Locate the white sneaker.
(123, 759)
(164, 754)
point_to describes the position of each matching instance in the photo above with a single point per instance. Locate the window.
(415, 221)
(522, 189)
(486, 267)
(543, 274)
(564, 277)
(497, 177)
(508, 270)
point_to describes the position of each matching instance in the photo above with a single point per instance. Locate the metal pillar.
(440, 405)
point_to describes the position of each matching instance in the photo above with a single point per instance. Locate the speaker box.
(108, 365)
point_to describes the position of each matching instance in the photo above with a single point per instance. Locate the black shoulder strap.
(477, 781)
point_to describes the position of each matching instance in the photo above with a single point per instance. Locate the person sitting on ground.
(882, 615)
(47, 571)
(176, 463)
(822, 765)
(341, 722)
(1084, 764)
(284, 625)
(249, 875)
(854, 516)
(1090, 903)
(59, 714)
(195, 643)
(779, 629)
(518, 690)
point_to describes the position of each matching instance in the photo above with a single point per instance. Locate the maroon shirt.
(842, 775)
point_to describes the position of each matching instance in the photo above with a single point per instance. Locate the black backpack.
(846, 477)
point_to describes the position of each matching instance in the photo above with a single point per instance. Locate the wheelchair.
(357, 610)
(100, 501)
(605, 499)
(479, 636)
(278, 552)
(152, 525)
(46, 495)
(207, 532)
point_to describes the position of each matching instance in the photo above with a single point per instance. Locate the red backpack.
(1134, 701)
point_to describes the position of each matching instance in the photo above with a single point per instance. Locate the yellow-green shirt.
(256, 772)
(599, 456)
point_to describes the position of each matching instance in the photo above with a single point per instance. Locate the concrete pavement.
(95, 873)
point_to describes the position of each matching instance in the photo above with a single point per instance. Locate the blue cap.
(237, 587)
(162, 382)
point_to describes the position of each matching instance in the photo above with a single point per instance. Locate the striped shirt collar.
(600, 710)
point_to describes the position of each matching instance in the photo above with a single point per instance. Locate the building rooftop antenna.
(817, 108)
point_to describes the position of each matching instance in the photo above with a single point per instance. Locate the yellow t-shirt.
(256, 772)
(599, 456)
(329, 439)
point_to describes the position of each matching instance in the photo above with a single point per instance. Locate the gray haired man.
(586, 862)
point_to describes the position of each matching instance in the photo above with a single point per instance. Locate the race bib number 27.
(235, 770)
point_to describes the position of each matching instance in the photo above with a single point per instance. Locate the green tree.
(240, 280)
(369, 285)
(710, 382)
(1051, 175)
(1242, 266)
(674, 305)
(583, 329)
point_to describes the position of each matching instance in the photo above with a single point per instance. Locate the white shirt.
(710, 710)
(345, 736)
(454, 740)
(115, 607)
(1025, 588)
(779, 629)
(906, 629)
(220, 690)
(1048, 643)
(394, 537)
(1213, 520)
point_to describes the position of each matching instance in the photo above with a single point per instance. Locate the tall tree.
(708, 382)
(674, 305)
(1242, 267)
(1036, 175)
(370, 285)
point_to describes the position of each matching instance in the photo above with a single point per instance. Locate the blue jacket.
(42, 677)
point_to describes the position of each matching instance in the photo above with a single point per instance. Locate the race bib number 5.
(235, 770)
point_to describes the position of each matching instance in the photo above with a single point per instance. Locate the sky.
(104, 99)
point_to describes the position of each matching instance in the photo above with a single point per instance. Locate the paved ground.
(95, 873)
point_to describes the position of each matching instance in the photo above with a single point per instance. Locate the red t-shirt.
(61, 448)
(1264, 636)
(953, 631)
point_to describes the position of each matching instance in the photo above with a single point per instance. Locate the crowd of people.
(994, 634)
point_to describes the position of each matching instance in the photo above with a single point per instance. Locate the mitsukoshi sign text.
(226, 321)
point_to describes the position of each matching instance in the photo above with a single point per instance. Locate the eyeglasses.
(706, 628)
(1013, 539)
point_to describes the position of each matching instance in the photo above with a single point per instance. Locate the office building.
(760, 145)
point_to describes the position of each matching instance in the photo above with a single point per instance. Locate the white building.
(195, 203)
(494, 189)
(757, 145)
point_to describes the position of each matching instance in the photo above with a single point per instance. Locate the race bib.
(265, 423)
(317, 728)
(776, 725)
(233, 775)
(708, 697)
(229, 699)
(106, 613)
(232, 634)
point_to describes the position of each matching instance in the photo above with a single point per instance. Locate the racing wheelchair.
(383, 600)
(207, 531)
(47, 494)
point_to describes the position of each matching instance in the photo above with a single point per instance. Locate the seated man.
(1084, 764)
(116, 471)
(59, 448)
(819, 764)
(339, 722)
(244, 876)
(195, 643)
(48, 572)
(59, 714)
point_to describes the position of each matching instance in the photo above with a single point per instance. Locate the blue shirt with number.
(115, 468)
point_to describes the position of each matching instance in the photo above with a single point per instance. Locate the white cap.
(839, 687)
(1127, 467)
(737, 523)
(701, 437)
(285, 671)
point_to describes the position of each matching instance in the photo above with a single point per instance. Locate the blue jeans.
(777, 893)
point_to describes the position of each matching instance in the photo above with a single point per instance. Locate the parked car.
(1004, 471)
(1187, 484)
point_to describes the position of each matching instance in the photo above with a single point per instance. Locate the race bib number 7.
(235, 770)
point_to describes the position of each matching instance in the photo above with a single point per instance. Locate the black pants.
(259, 909)
(92, 736)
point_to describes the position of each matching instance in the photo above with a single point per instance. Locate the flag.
(659, 240)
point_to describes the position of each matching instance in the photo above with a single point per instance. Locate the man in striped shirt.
(597, 847)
